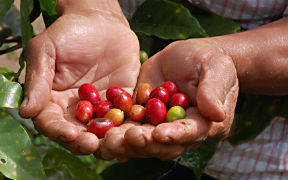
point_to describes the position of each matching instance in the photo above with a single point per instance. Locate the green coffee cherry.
(175, 113)
(143, 56)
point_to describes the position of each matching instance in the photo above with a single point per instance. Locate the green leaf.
(215, 25)
(27, 123)
(18, 157)
(21, 62)
(143, 41)
(4, 7)
(48, 6)
(26, 7)
(254, 113)
(8, 73)
(48, 11)
(167, 20)
(60, 164)
(199, 158)
(97, 165)
(10, 93)
(136, 169)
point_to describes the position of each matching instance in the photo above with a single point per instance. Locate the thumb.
(40, 70)
(217, 81)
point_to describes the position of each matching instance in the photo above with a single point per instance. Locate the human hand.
(203, 72)
(79, 47)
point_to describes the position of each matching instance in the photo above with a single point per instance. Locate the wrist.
(108, 8)
(260, 57)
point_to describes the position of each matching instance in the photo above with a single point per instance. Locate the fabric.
(247, 13)
(266, 157)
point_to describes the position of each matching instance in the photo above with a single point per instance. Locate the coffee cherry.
(155, 111)
(175, 113)
(84, 111)
(123, 101)
(102, 107)
(160, 93)
(143, 56)
(143, 93)
(137, 112)
(170, 87)
(113, 92)
(116, 116)
(99, 126)
(88, 92)
(179, 99)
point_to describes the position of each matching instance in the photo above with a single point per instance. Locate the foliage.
(199, 158)
(26, 154)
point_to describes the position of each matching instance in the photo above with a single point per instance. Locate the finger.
(194, 129)
(138, 136)
(217, 78)
(52, 124)
(86, 143)
(150, 72)
(222, 129)
(40, 56)
(103, 153)
(114, 143)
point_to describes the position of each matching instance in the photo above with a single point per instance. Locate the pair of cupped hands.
(103, 50)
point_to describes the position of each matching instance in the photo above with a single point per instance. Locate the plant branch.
(13, 48)
(16, 39)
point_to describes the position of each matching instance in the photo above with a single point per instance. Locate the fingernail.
(24, 102)
(222, 108)
(161, 138)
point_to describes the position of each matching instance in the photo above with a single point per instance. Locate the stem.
(16, 39)
(13, 48)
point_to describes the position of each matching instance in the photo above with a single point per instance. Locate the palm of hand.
(207, 76)
(87, 50)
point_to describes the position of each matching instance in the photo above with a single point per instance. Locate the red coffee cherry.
(179, 99)
(102, 107)
(137, 113)
(112, 92)
(160, 93)
(99, 126)
(143, 93)
(170, 86)
(88, 92)
(84, 111)
(123, 101)
(155, 111)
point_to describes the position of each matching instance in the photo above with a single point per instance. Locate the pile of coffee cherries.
(152, 105)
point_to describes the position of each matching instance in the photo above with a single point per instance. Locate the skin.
(210, 71)
(90, 42)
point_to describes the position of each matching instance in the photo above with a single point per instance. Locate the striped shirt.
(247, 13)
(265, 157)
